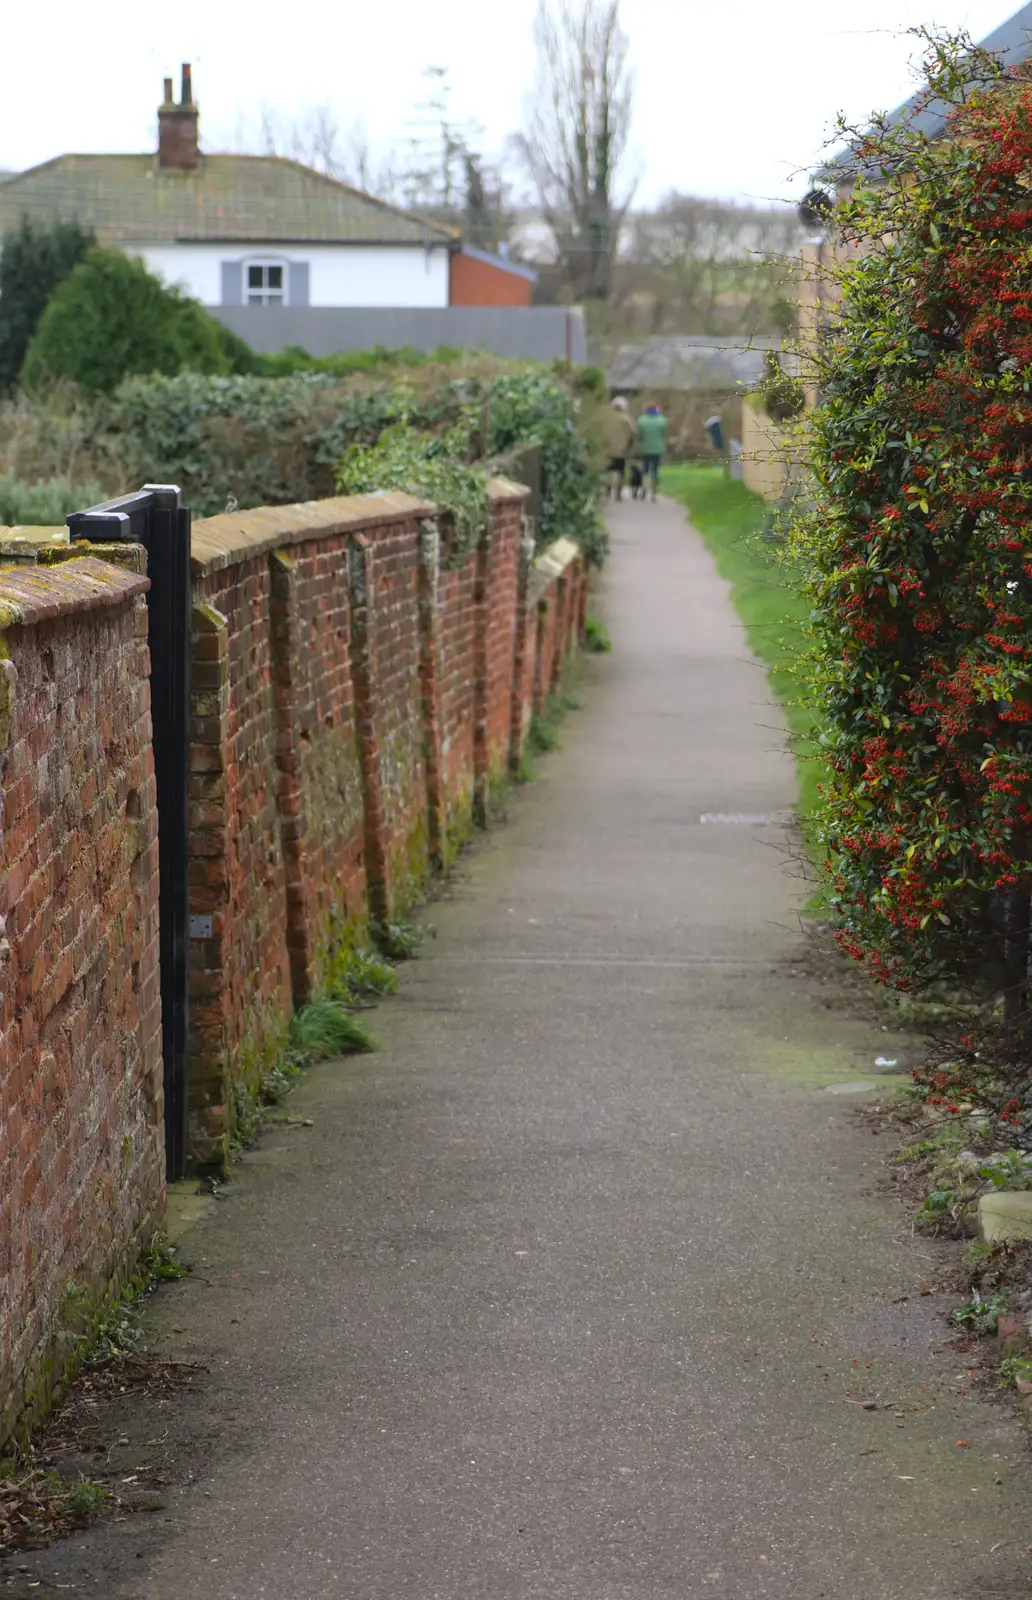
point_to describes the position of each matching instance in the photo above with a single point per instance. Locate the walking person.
(618, 441)
(652, 437)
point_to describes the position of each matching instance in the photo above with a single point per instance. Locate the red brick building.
(479, 279)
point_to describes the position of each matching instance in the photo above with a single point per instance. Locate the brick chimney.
(177, 128)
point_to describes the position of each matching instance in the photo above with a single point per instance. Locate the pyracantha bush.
(918, 544)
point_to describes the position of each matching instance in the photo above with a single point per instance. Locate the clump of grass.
(980, 1316)
(319, 1031)
(399, 941)
(247, 1114)
(159, 1260)
(37, 1505)
(359, 975)
(543, 736)
(99, 1330)
(596, 637)
(326, 1028)
(526, 772)
(84, 1498)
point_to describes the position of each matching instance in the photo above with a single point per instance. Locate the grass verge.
(731, 519)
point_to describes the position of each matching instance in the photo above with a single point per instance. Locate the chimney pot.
(177, 128)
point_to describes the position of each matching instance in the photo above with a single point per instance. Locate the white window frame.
(265, 296)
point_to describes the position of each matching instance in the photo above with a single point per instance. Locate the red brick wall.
(394, 702)
(356, 696)
(456, 602)
(240, 978)
(480, 283)
(502, 605)
(321, 804)
(81, 1142)
(545, 650)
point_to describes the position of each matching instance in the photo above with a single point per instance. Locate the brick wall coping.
(222, 541)
(29, 595)
(507, 489)
(234, 536)
(551, 564)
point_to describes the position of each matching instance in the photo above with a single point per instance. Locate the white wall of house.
(338, 275)
(375, 275)
(194, 267)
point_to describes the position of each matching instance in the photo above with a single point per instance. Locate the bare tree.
(436, 169)
(703, 266)
(318, 140)
(433, 161)
(485, 218)
(574, 145)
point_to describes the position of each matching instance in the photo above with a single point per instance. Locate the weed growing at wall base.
(357, 975)
(400, 941)
(318, 1032)
(596, 636)
(37, 1506)
(326, 1028)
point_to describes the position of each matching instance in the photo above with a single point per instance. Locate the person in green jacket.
(652, 436)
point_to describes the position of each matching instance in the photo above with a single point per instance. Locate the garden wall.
(360, 691)
(81, 1136)
(361, 688)
(773, 454)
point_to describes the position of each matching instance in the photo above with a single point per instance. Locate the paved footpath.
(561, 1296)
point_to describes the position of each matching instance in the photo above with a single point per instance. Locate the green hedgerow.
(916, 547)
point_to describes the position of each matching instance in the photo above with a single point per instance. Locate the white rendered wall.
(377, 275)
(196, 268)
(339, 275)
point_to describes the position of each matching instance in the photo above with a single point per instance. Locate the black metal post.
(154, 518)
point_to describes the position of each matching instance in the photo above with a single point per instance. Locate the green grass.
(325, 1028)
(730, 519)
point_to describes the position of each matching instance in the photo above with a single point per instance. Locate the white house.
(237, 230)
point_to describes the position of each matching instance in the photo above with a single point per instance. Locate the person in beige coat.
(619, 441)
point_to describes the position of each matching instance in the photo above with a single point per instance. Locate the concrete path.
(575, 1290)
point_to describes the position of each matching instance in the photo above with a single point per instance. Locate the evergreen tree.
(34, 261)
(111, 317)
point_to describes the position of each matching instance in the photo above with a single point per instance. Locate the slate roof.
(250, 199)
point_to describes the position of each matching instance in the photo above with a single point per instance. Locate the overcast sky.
(732, 98)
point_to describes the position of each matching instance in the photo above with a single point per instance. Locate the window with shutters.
(265, 283)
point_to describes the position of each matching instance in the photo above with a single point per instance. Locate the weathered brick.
(69, 1016)
(352, 702)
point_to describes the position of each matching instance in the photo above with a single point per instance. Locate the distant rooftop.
(178, 192)
(229, 197)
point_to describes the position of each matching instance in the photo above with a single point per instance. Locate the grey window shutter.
(298, 290)
(232, 283)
